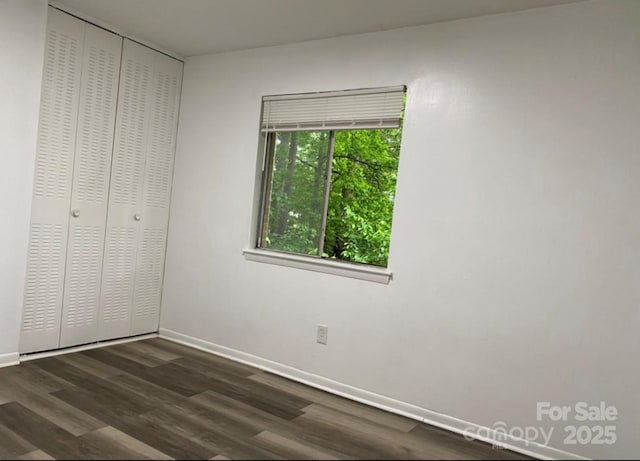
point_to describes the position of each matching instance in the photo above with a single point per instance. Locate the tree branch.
(373, 166)
(304, 162)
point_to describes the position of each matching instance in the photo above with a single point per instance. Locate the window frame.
(342, 268)
(313, 262)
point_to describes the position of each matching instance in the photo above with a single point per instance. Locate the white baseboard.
(85, 347)
(425, 415)
(6, 360)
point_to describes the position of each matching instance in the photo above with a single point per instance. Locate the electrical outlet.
(323, 334)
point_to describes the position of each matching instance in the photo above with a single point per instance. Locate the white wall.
(516, 236)
(22, 34)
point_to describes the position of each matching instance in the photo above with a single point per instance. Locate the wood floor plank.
(128, 421)
(121, 363)
(170, 376)
(104, 398)
(136, 354)
(306, 392)
(36, 455)
(208, 369)
(249, 451)
(335, 440)
(44, 434)
(118, 445)
(258, 398)
(241, 412)
(27, 376)
(260, 419)
(136, 448)
(63, 370)
(177, 379)
(139, 387)
(197, 430)
(167, 439)
(109, 449)
(148, 348)
(88, 365)
(212, 419)
(333, 401)
(204, 357)
(221, 433)
(191, 382)
(464, 449)
(101, 390)
(270, 393)
(60, 413)
(285, 404)
(395, 444)
(12, 445)
(289, 448)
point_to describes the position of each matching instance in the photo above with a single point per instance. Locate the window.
(330, 170)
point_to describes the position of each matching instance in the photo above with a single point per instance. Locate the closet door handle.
(137, 217)
(75, 213)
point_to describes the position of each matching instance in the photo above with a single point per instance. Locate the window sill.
(344, 269)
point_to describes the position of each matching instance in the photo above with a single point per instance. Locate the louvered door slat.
(52, 183)
(89, 197)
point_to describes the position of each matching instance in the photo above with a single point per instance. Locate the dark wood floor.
(155, 399)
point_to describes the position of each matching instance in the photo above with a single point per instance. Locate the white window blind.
(336, 110)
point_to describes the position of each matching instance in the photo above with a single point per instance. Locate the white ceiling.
(195, 27)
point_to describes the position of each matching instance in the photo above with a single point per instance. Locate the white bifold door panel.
(90, 189)
(156, 194)
(139, 201)
(103, 174)
(127, 175)
(52, 183)
(73, 163)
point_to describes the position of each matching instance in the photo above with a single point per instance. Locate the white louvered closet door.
(140, 192)
(127, 178)
(90, 190)
(156, 197)
(52, 183)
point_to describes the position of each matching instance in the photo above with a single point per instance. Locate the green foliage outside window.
(359, 210)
